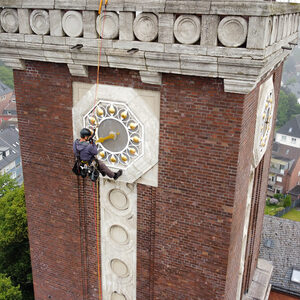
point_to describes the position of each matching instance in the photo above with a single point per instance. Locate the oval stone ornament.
(119, 234)
(9, 20)
(187, 29)
(118, 199)
(72, 23)
(232, 31)
(119, 268)
(39, 22)
(108, 25)
(145, 27)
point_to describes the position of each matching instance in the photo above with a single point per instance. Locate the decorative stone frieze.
(145, 27)
(9, 20)
(187, 29)
(232, 31)
(39, 22)
(190, 38)
(72, 23)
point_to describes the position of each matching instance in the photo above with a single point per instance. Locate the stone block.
(126, 26)
(33, 38)
(144, 6)
(12, 37)
(192, 7)
(89, 58)
(55, 40)
(89, 24)
(70, 4)
(162, 62)
(236, 52)
(209, 30)
(38, 4)
(274, 30)
(239, 86)
(112, 5)
(56, 23)
(201, 65)
(280, 28)
(17, 64)
(24, 25)
(84, 42)
(142, 46)
(185, 49)
(259, 32)
(58, 56)
(78, 70)
(165, 28)
(32, 54)
(122, 59)
(151, 77)
(11, 3)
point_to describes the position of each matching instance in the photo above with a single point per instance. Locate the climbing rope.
(96, 195)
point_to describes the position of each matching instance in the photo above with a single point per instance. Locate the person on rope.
(85, 150)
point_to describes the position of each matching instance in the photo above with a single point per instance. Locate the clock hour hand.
(111, 136)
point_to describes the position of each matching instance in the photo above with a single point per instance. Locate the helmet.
(85, 132)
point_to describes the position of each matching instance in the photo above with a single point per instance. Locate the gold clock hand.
(111, 136)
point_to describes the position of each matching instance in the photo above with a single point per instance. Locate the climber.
(85, 151)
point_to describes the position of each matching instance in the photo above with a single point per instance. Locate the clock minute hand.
(111, 136)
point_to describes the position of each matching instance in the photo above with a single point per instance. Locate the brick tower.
(192, 88)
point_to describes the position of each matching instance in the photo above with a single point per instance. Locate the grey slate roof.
(9, 139)
(280, 244)
(4, 89)
(295, 191)
(294, 124)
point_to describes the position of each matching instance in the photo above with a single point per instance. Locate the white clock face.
(119, 133)
(263, 119)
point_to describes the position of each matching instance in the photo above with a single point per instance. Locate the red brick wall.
(186, 227)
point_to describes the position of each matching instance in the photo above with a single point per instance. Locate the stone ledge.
(260, 286)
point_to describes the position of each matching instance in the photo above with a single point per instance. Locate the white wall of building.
(287, 140)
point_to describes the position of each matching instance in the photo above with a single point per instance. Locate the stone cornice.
(219, 7)
(240, 50)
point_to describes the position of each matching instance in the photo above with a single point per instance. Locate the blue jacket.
(84, 150)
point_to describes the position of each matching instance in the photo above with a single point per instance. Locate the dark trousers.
(104, 170)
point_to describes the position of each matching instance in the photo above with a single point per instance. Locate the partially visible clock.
(264, 119)
(119, 133)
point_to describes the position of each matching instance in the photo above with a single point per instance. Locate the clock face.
(119, 133)
(264, 119)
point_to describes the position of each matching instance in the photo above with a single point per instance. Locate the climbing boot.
(118, 174)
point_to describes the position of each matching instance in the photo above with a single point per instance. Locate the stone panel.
(232, 31)
(24, 24)
(56, 23)
(145, 27)
(39, 22)
(89, 24)
(108, 25)
(259, 32)
(126, 26)
(209, 30)
(187, 29)
(9, 20)
(166, 25)
(72, 23)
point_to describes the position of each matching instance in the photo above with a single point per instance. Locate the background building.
(10, 156)
(284, 172)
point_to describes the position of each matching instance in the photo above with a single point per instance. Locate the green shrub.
(287, 201)
(7, 290)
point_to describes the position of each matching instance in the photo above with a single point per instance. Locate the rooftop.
(280, 244)
(9, 140)
(291, 128)
(4, 89)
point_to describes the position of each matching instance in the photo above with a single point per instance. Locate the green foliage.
(6, 184)
(288, 107)
(7, 290)
(14, 244)
(287, 201)
(272, 209)
(6, 76)
(279, 197)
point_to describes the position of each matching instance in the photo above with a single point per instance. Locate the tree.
(6, 184)
(287, 201)
(14, 244)
(7, 290)
(6, 76)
